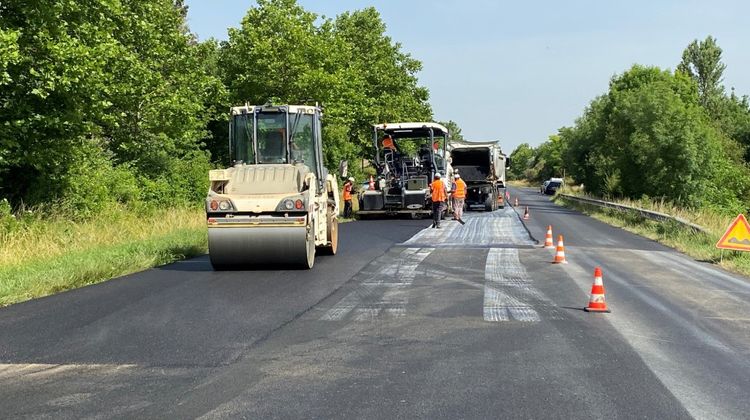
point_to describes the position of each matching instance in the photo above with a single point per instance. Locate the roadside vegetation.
(700, 246)
(671, 141)
(42, 254)
(656, 135)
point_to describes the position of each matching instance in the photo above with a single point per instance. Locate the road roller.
(276, 205)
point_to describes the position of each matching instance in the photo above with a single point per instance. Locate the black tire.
(488, 204)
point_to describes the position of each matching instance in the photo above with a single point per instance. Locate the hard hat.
(456, 175)
(437, 175)
(351, 179)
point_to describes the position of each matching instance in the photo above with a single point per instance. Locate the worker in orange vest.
(439, 196)
(388, 142)
(459, 195)
(348, 185)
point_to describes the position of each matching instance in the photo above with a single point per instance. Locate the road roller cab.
(276, 204)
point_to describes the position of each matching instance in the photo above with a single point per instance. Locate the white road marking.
(499, 306)
(382, 291)
(481, 229)
(509, 293)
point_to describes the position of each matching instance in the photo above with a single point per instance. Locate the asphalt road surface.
(406, 322)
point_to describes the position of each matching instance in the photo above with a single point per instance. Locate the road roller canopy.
(288, 134)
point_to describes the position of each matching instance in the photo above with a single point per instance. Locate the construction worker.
(439, 196)
(348, 186)
(388, 142)
(459, 195)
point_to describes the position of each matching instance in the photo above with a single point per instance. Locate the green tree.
(585, 160)
(650, 136)
(361, 76)
(548, 159)
(701, 60)
(95, 92)
(521, 160)
(734, 120)
(454, 130)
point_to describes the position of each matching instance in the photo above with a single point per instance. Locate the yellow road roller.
(277, 204)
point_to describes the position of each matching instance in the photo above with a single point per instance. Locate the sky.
(518, 71)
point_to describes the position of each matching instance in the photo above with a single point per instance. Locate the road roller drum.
(248, 246)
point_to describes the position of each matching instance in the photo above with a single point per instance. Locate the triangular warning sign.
(737, 236)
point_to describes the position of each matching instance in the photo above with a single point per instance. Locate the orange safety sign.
(737, 236)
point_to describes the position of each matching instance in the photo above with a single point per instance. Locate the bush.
(8, 222)
(184, 184)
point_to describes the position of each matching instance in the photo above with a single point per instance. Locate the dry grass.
(520, 183)
(700, 246)
(39, 257)
(43, 239)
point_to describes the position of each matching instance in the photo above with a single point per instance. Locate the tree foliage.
(521, 159)
(701, 60)
(650, 136)
(100, 101)
(106, 101)
(454, 129)
(283, 53)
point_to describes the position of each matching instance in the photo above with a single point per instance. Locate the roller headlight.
(288, 204)
(224, 205)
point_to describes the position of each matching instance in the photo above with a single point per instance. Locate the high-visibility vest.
(438, 191)
(347, 191)
(460, 191)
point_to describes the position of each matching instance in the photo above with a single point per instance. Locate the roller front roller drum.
(230, 247)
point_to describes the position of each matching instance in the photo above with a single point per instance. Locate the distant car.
(551, 187)
(543, 187)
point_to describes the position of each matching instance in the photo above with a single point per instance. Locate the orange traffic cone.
(371, 184)
(597, 302)
(560, 254)
(526, 215)
(507, 195)
(548, 239)
(515, 203)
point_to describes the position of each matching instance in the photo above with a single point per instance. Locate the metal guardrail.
(649, 214)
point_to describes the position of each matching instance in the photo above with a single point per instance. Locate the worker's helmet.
(456, 175)
(351, 179)
(437, 175)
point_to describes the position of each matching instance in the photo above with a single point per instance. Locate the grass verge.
(700, 246)
(40, 257)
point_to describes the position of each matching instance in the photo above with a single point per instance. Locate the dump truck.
(482, 166)
(276, 204)
(407, 157)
